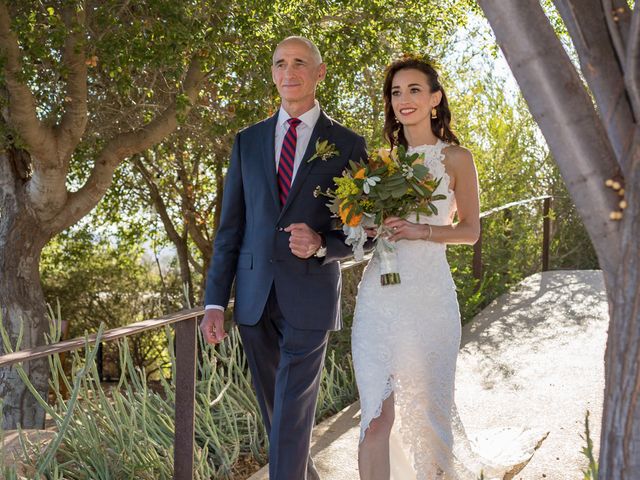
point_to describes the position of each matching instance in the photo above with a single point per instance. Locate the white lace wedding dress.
(405, 340)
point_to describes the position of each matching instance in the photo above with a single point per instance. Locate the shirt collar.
(308, 118)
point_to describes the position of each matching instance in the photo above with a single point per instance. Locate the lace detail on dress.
(405, 340)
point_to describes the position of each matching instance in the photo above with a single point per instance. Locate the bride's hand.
(404, 229)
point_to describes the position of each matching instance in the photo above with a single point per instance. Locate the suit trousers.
(286, 367)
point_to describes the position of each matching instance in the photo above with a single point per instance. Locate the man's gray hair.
(315, 52)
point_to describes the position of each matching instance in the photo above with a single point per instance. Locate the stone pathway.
(532, 358)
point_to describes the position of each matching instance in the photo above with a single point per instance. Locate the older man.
(277, 240)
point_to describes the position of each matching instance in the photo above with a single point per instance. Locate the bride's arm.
(464, 177)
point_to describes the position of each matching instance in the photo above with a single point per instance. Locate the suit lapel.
(320, 131)
(269, 156)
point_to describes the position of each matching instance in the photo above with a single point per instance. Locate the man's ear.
(322, 72)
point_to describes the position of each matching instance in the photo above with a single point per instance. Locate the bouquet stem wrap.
(388, 257)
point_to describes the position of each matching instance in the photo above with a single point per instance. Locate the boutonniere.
(324, 151)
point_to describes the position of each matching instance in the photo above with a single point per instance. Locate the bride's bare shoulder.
(457, 157)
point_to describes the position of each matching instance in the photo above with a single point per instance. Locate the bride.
(406, 337)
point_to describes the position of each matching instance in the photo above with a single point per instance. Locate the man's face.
(296, 72)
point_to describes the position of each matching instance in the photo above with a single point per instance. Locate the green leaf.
(399, 191)
(420, 171)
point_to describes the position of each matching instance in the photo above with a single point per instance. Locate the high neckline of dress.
(427, 147)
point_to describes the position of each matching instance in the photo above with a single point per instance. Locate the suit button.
(271, 260)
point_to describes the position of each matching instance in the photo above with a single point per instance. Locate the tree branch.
(22, 105)
(74, 119)
(194, 263)
(179, 241)
(189, 209)
(587, 26)
(632, 75)
(159, 204)
(565, 113)
(125, 145)
(622, 18)
(616, 35)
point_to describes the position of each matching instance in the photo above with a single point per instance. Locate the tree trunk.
(565, 113)
(23, 306)
(620, 444)
(583, 149)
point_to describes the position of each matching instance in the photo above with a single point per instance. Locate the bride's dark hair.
(440, 125)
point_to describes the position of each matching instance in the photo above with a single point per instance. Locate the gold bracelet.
(430, 232)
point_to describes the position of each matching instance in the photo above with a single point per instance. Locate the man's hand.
(303, 241)
(212, 326)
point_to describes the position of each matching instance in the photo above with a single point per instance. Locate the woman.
(406, 336)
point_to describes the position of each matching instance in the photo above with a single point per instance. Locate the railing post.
(100, 362)
(546, 233)
(185, 381)
(477, 258)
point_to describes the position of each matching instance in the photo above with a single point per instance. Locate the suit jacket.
(252, 247)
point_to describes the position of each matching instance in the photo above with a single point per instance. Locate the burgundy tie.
(287, 156)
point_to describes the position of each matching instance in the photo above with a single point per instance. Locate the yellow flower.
(344, 210)
(359, 174)
(346, 186)
(384, 155)
(366, 205)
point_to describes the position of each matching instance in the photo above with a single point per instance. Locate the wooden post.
(185, 381)
(546, 233)
(100, 361)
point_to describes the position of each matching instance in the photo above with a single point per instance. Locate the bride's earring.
(434, 113)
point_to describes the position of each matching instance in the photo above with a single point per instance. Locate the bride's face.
(411, 97)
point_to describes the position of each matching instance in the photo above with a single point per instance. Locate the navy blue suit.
(284, 305)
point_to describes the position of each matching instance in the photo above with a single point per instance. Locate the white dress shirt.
(308, 119)
(308, 122)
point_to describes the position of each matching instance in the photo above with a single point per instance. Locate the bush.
(127, 431)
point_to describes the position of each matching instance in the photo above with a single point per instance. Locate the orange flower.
(359, 174)
(344, 210)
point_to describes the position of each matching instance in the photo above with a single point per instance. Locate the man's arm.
(222, 269)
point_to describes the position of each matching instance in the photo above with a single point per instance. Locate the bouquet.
(391, 183)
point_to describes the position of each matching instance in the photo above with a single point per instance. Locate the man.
(277, 239)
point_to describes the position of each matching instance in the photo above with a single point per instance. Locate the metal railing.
(186, 342)
(546, 232)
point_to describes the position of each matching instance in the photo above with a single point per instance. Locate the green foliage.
(571, 246)
(591, 473)
(98, 279)
(357, 40)
(513, 164)
(127, 430)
